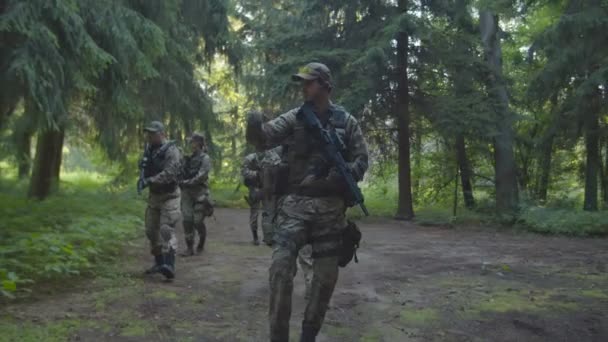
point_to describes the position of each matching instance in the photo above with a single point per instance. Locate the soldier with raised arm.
(313, 211)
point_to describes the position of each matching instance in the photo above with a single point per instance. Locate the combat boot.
(256, 240)
(308, 334)
(158, 261)
(202, 236)
(200, 246)
(189, 249)
(168, 267)
(268, 240)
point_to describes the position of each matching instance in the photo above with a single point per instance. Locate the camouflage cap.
(155, 127)
(199, 137)
(313, 71)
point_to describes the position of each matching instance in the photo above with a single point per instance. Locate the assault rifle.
(332, 145)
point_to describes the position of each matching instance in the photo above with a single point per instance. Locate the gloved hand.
(142, 184)
(333, 182)
(313, 182)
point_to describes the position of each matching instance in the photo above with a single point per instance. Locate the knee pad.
(166, 232)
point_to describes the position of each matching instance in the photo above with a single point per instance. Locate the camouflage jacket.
(165, 168)
(305, 156)
(195, 171)
(251, 170)
(256, 164)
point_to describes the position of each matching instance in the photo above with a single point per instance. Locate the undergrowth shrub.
(563, 221)
(68, 234)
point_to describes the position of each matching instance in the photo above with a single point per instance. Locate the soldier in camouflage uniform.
(252, 179)
(196, 203)
(313, 211)
(163, 214)
(258, 176)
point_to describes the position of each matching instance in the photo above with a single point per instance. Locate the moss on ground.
(58, 331)
(422, 316)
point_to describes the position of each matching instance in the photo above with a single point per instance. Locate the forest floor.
(412, 284)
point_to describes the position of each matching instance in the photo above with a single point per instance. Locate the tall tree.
(575, 50)
(405, 207)
(504, 159)
(119, 62)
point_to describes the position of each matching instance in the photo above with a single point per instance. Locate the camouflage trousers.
(268, 209)
(305, 262)
(193, 212)
(302, 221)
(163, 216)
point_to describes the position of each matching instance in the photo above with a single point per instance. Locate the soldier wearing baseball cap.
(155, 127)
(198, 137)
(312, 211)
(314, 71)
(160, 166)
(196, 202)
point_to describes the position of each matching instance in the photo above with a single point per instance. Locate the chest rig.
(156, 163)
(304, 153)
(192, 164)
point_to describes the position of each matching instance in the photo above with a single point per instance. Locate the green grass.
(226, 195)
(58, 331)
(381, 201)
(563, 221)
(421, 316)
(68, 234)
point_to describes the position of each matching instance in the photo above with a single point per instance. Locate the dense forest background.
(477, 112)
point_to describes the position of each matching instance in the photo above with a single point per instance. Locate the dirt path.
(412, 284)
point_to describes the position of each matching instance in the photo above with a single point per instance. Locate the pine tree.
(575, 54)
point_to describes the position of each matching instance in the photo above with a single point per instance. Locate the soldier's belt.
(163, 188)
(313, 191)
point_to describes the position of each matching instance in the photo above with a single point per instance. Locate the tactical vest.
(155, 165)
(304, 153)
(192, 165)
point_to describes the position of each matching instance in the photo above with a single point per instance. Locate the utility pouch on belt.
(282, 179)
(351, 237)
(207, 207)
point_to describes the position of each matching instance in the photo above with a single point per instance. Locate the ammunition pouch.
(311, 191)
(281, 180)
(163, 188)
(252, 182)
(351, 237)
(207, 207)
(255, 195)
(346, 250)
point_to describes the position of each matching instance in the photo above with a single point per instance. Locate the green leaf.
(9, 285)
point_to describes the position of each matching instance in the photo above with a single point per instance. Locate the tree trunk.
(45, 175)
(22, 137)
(545, 167)
(602, 173)
(523, 174)
(174, 130)
(465, 172)
(7, 107)
(23, 141)
(604, 176)
(405, 209)
(417, 162)
(505, 170)
(592, 162)
(216, 154)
